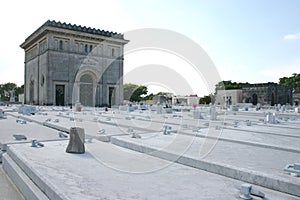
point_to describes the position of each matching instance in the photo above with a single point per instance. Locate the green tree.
(138, 92)
(229, 85)
(292, 81)
(205, 100)
(4, 90)
(134, 92)
(6, 87)
(128, 90)
(149, 97)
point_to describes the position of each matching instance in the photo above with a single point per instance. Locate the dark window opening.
(59, 95)
(60, 46)
(112, 52)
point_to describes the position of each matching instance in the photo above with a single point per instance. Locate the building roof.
(85, 29)
(73, 27)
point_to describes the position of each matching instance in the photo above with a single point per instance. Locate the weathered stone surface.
(76, 141)
(71, 69)
(1, 113)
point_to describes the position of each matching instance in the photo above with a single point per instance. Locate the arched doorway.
(254, 99)
(86, 95)
(272, 99)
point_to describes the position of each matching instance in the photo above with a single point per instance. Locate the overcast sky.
(254, 41)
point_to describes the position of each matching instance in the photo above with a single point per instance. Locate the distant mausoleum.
(262, 93)
(185, 100)
(296, 96)
(67, 64)
(229, 97)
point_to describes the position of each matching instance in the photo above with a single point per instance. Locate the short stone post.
(1, 113)
(76, 141)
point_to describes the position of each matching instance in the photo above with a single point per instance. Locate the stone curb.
(217, 168)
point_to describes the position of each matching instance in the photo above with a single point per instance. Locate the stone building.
(267, 93)
(185, 100)
(229, 97)
(296, 96)
(66, 64)
(262, 93)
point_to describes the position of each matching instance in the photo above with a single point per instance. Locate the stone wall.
(58, 55)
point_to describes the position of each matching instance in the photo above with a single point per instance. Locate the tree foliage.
(292, 81)
(229, 85)
(205, 100)
(149, 96)
(6, 87)
(134, 92)
(138, 92)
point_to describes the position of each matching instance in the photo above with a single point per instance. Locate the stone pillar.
(159, 109)
(76, 141)
(1, 113)
(212, 112)
(197, 114)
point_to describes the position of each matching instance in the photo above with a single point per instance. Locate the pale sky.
(248, 41)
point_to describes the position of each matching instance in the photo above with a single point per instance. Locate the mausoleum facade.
(260, 93)
(67, 64)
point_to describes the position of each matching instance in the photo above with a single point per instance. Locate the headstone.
(197, 114)
(158, 109)
(233, 108)
(130, 108)
(76, 141)
(271, 118)
(12, 96)
(123, 108)
(78, 107)
(212, 113)
(248, 122)
(168, 110)
(1, 113)
(27, 110)
(277, 107)
(235, 123)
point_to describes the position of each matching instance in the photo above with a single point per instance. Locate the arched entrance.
(86, 91)
(254, 99)
(272, 99)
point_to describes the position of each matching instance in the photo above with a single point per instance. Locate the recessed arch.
(85, 87)
(272, 99)
(86, 90)
(254, 99)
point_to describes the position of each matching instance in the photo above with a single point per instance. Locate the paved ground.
(109, 172)
(263, 148)
(8, 190)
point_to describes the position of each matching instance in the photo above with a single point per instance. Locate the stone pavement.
(8, 190)
(109, 172)
(156, 166)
